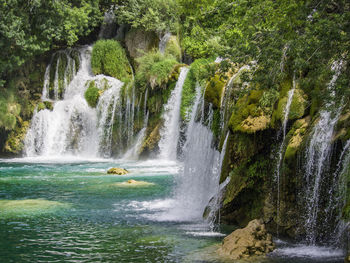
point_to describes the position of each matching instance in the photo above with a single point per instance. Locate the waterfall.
(163, 41)
(133, 152)
(282, 145)
(317, 157)
(171, 129)
(197, 183)
(72, 127)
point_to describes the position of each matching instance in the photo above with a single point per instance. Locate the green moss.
(247, 116)
(199, 71)
(109, 58)
(297, 107)
(295, 137)
(92, 94)
(15, 140)
(173, 48)
(155, 69)
(214, 91)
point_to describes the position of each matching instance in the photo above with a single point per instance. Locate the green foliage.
(281, 36)
(173, 48)
(92, 94)
(268, 100)
(29, 28)
(9, 110)
(151, 15)
(199, 71)
(154, 69)
(109, 58)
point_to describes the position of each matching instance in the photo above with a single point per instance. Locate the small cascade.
(317, 158)
(171, 128)
(106, 109)
(282, 145)
(337, 194)
(134, 151)
(163, 42)
(226, 100)
(198, 181)
(215, 203)
(109, 27)
(72, 127)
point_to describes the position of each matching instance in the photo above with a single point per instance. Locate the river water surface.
(70, 210)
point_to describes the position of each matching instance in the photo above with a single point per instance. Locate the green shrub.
(109, 58)
(199, 71)
(92, 95)
(173, 48)
(154, 69)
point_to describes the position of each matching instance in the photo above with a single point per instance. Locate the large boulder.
(253, 240)
(139, 42)
(118, 171)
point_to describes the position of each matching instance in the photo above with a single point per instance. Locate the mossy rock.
(214, 91)
(15, 140)
(297, 107)
(117, 171)
(92, 94)
(43, 105)
(254, 124)
(138, 42)
(173, 48)
(133, 183)
(247, 116)
(151, 142)
(343, 127)
(29, 207)
(109, 58)
(296, 135)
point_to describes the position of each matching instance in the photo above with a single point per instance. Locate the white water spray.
(171, 129)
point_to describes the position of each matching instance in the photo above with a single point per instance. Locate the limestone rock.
(139, 42)
(133, 183)
(253, 240)
(118, 171)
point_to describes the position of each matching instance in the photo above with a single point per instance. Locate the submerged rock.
(27, 207)
(119, 171)
(253, 240)
(134, 183)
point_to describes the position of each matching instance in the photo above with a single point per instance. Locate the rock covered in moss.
(92, 94)
(214, 90)
(296, 135)
(151, 142)
(133, 183)
(15, 140)
(254, 124)
(109, 58)
(253, 240)
(248, 117)
(138, 42)
(297, 107)
(118, 171)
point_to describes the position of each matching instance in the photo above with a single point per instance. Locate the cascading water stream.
(317, 156)
(171, 128)
(282, 145)
(163, 42)
(72, 127)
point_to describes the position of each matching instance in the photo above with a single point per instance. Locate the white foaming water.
(317, 156)
(72, 127)
(302, 251)
(133, 152)
(171, 128)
